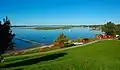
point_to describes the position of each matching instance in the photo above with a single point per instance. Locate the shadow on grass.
(19, 69)
(35, 60)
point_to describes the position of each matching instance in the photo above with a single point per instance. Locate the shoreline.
(33, 46)
(62, 49)
(40, 45)
(26, 52)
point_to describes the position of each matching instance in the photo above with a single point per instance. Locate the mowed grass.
(104, 55)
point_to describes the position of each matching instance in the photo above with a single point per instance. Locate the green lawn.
(103, 55)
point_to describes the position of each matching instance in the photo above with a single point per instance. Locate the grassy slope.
(99, 56)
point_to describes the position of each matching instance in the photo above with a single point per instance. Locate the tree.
(118, 29)
(6, 37)
(109, 28)
(60, 41)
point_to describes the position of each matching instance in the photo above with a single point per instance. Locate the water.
(48, 36)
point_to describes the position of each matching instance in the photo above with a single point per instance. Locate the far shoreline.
(54, 27)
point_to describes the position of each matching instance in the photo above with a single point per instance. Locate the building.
(85, 40)
(105, 36)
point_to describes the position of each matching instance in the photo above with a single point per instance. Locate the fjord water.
(48, 36)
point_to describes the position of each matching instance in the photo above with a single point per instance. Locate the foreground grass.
(103, 55)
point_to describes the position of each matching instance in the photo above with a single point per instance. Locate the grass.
(102, 55)
(29, 51)
(34, 50)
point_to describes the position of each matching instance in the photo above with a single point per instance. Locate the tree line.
(111, 29)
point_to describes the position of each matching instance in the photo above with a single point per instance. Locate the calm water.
(50, 35)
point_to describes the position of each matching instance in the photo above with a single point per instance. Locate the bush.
(69, 45)
(77, 40)
(93, 39)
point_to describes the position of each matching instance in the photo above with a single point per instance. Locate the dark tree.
(118, 29)
(6, 37)
(109, 28)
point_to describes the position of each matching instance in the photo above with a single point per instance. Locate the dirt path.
(52, 50)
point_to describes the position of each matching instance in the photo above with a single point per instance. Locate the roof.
(78, 43)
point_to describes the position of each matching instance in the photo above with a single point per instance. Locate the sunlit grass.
(102, 55)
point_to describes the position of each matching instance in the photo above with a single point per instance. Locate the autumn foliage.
(60, 41)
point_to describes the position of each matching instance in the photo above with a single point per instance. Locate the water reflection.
(48, 36)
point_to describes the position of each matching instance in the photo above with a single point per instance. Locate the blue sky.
(60, 12)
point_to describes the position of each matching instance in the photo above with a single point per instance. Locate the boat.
(69, 30)
(44, 37)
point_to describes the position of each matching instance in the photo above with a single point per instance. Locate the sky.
(60, 12)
